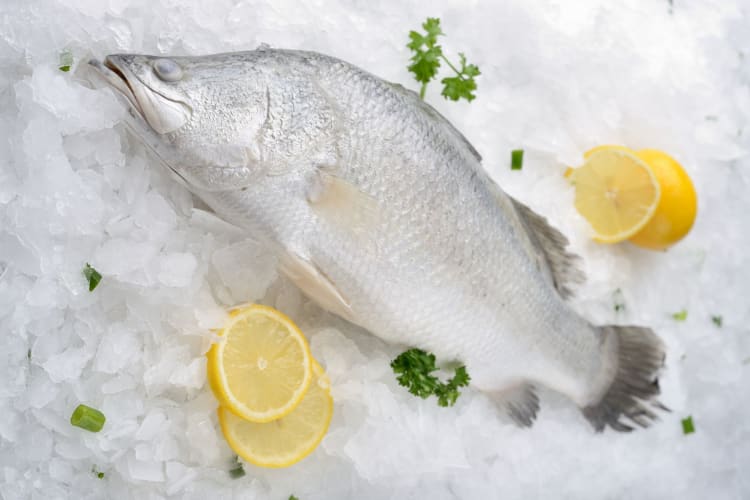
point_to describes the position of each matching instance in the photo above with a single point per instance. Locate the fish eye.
(167, 70)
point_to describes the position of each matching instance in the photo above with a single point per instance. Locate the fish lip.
(116, 76)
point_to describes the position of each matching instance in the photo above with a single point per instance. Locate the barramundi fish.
(379, 210)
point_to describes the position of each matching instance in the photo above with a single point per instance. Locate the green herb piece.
(516, 159)
(237, 472)
(425, 63)
(426, 58)
(66, 61)
(718, 320)
(292, 497)
(619, 300)
(414, 368)
(463, 84)
(680, 316)
(88, 418)
(98, 474)
(92, 275)
(687, 425)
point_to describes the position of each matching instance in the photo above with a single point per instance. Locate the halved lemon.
(616, 192)
(287, 440)
(261, 366)
(678, 205)
(569, 171)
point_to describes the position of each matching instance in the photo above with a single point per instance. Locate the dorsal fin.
(550, 244)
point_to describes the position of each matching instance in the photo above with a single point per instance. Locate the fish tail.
(635, 387)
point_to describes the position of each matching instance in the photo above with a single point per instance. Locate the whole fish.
(379, 210)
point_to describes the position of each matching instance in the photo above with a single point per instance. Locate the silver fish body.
(379, 210)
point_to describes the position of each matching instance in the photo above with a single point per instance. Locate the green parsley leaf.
(414, 368)
(718, 320)
(426, 60)
(687, 425)
(516, 159)
(463, 84)
(680, 316)
(66, 61)
(98, 474)
(92, 275)
(292, 497)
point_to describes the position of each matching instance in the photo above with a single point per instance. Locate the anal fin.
(550, 246)
(520, 402)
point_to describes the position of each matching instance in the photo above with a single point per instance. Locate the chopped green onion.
(516, 159)
(88, 418)
(66, 61)
(100, 475)
(92, 275)
(687, 425)
(718, 320)
(680, 316)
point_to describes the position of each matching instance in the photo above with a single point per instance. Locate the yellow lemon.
(616, 192)
(677, 207)
(261, 365)
(569, 171)
(288, 440)
(606, 147)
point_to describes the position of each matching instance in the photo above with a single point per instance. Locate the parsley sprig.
(426, 63)
(414, 369)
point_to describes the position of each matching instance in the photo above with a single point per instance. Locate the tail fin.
(640, 357)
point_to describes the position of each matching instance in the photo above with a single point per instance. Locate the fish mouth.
(162, 113)
(116, 78)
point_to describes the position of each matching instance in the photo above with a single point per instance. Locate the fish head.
(200, 115)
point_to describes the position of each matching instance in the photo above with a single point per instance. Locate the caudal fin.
(633, 392)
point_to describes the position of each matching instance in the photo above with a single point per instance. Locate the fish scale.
(379, 210)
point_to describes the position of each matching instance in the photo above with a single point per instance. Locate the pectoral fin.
(315, 284)
(342, 203)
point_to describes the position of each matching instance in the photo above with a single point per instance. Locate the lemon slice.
(287, 440)
(261, 366)
(617, 193)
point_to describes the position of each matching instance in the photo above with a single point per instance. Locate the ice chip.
(246, 268)
(176, 269)
(67, 365)
(151, 426)
(118, 348)
(141, 470)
